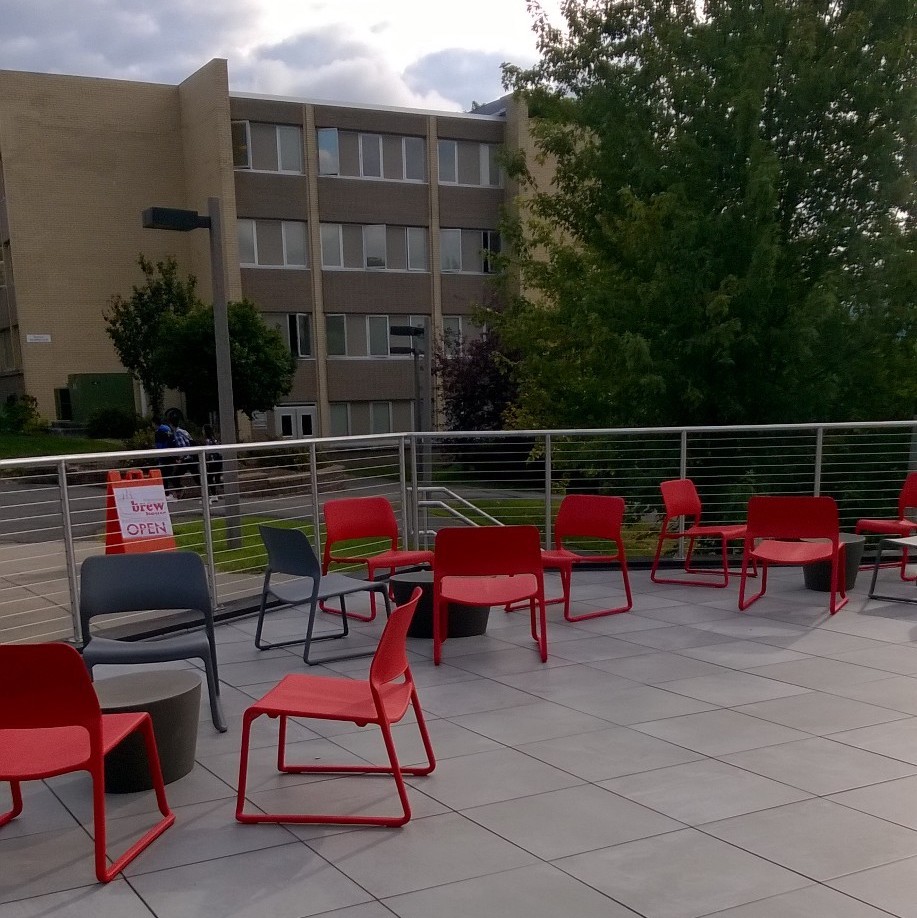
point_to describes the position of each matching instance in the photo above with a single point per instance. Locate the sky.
(435, 54)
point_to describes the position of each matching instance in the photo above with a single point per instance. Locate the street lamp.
(413, 332)
(183, 221)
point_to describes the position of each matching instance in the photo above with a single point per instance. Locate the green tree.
(729, 235)
(262, 365)
(135, 324)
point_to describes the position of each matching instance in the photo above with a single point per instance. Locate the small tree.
(135, 324)
(262, 365)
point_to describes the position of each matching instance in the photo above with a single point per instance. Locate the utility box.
(91, 392)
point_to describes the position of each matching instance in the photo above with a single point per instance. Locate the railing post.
(208, 528)
(417, 496)
(547, 491)
(408, 513)
(316, 504)
(683, 473)
(69, 553)
(819, 451)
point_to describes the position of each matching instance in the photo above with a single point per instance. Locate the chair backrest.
(146, 582)
(359, 518)
(45, 685)
(792, 517)
(595, 516)
(289, 551)
(486, 551)
(680, 498)
(391, 657)
(907, 500)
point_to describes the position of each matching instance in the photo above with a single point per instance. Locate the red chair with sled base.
(51, 724)
(901, 526)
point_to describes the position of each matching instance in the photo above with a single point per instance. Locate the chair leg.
(16, 791)
(247, 719)
(213, 690)
(599, 613)
(356, 616)
(743, 603)
(104, 873)
(310, 640)
(838, 580)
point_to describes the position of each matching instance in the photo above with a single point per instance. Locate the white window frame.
(347, 422)
(343, 318)
(450, 234)
(301, 319)
(323, 228)
(404, 159)
(487, 251)
(416, 231)
(486, 151)
(242, 223)
(337, 150)
(279, 129)
(384, 231)
(364, 139)
(373, 407)
(439, 162)
(370, 322)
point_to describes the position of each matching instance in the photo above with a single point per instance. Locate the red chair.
(682, 500)
(488, 566)
(351, 518)
(774, 523)
(590, 516)
(51, 724)
(900, 527)
(379, 700)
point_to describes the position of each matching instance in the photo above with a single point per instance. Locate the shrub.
(20, 415)
(113, 423)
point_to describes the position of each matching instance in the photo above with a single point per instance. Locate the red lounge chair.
(901, 526)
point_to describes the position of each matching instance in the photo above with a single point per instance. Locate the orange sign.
(136, 513)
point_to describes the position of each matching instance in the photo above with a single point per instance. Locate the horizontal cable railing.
(54, 508)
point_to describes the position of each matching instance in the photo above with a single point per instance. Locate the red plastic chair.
(379, 700)
(488, 566)
(51, 724)
(590, 516)
(350, 518)
(773, 525)
(901, 526)
(682, 500)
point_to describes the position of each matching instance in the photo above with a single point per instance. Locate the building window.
(272, 243)
(447, 151)
(336, 335)
(450, 250)
(241, 145)
(370, 155)
(300, 328)
(374, 248)
(380, 417)
(340, 419)
(417, 248)
(491, 174)
(452, 335)
(490, 246)
(413, 157)
(289, 148)
(329, 158)
(332, 245)
(377, 336)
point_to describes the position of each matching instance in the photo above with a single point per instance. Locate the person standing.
(214, 464)
(164, 438)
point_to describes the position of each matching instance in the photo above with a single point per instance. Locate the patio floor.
(680, 760)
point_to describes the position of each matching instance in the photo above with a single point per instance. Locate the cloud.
(458, 73)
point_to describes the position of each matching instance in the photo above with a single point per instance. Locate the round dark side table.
(818, 574)
(173, 699)
(464, 621)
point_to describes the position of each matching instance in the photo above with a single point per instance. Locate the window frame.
(439, 161)
(278, 129)
(445, 234)
(248, 143)
(424, 235)
(319, 132)
(404, 159)
(295, 323)
(343, 319)
(284, 224)
(488, 251)
(373, 406)
(374, 320)
(250, 223)
(362, 139)
(340, 245)
(489, 166)
(347, 419)
(367, 227)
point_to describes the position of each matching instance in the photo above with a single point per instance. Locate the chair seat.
(777, 552)
(489, 591)
(332, 698)
(563, 557)
(295, 592)
(729, 533)
(32, 754)
(887, 527)
(393, 557)
(101, 650)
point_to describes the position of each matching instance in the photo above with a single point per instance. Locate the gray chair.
(160, 581)
(290, 552)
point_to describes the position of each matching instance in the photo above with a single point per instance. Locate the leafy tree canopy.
(729, 235)
(163, 335)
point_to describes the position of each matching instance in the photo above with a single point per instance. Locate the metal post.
(819, 450)
(316, 504)
(227, 410)
(68, 550)
(548, 503)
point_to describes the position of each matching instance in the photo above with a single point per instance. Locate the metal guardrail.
(52, 509)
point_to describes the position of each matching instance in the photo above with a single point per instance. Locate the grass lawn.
(24, 446)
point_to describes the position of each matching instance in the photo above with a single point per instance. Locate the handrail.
(456, 497)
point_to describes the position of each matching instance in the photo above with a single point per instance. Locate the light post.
(422, 417)
(183, 221)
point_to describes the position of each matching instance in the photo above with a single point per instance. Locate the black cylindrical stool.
(464, 621)
(173, 699)
(818, 574)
